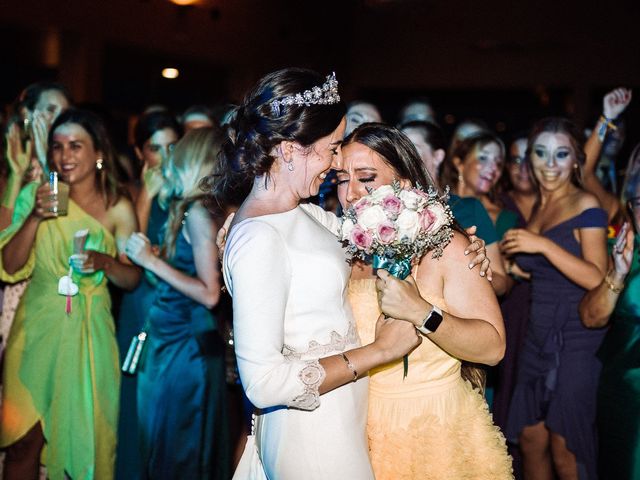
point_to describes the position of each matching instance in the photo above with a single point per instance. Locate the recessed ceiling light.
(170, 73)
(185, 2)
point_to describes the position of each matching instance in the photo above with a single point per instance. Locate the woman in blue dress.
(181, 384)
(563, 250)
(154, 134)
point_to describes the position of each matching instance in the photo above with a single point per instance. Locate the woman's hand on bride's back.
(221, 237)
(395, 338)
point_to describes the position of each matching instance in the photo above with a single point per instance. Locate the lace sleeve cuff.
(311, 376)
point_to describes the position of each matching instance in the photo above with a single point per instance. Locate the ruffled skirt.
(435, 431)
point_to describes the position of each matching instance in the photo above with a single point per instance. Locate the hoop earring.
(99, 164)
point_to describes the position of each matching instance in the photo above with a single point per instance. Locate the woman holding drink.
(61, 372)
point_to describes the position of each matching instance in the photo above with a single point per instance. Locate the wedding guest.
(359, 112)
(473, 171)
(613, 105)
(181, 384)
(614, 303)
(414, 421)
(63, 328)
(197, 116)
(155, 136)
(417, 110)
(518, 196)
(563, 251)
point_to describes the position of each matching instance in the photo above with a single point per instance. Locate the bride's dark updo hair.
(256, 128)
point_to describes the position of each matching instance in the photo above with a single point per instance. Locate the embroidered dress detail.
(311, 377)
(338, 343)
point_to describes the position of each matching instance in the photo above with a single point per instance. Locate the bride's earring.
(289, 165)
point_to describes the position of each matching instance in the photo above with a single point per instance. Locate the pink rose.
(427, 219)
(361, 238)
(361, 205)
(392, 205)
(437, 217)
(386, 232)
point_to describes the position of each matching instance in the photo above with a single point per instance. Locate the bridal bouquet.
(393, 227)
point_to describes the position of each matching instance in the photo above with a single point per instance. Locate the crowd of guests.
(109, 264)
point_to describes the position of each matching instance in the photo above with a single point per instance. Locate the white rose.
(381, 192)
(441, 216)
(347, 226)
(408, 224)
(412, 200)
(371, 217)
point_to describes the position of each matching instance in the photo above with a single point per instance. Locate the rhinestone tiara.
(327, 94)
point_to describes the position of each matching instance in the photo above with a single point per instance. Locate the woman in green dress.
(616, 302)
(61, 372)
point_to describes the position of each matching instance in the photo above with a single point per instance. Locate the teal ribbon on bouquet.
(399, 268)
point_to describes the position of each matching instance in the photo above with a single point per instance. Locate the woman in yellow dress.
(433, 424)
(61, 371)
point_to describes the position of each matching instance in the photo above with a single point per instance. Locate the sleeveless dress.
(515, 312)
(62, 369)
(558, 370)
(619, 390)
(288, 278)
(181, 385)
(134, 308)
(432, 424)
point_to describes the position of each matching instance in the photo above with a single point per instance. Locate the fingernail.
(466, 252)
(482, 274)
(471, 265)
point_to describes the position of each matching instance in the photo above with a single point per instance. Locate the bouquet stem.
(399, 268)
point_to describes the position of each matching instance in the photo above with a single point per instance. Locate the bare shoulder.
(122, 211)
(452, 255)
(198, 210)
(585, 200)
(198, 218)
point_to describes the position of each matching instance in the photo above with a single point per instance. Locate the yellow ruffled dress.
(60, 369)
(432, 424)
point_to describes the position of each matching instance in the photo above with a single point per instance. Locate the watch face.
(434, 320)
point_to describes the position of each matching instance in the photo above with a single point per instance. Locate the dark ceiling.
(112, 50)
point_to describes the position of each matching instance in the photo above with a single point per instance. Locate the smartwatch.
(431, 322)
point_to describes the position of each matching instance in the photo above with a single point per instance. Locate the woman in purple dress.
(563, 249)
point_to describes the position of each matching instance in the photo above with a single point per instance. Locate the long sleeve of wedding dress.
(261, 287)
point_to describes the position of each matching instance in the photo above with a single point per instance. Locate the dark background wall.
(505, 61)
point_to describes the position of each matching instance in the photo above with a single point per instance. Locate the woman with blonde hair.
(181, 379)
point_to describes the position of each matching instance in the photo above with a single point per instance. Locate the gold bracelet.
(612, 286)
(350, 366)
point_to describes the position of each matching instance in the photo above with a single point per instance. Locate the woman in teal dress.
(430, 143)
(181, 382)
(155, 134)
(616, 302)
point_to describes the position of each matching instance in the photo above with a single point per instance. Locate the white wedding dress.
(288, 277)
